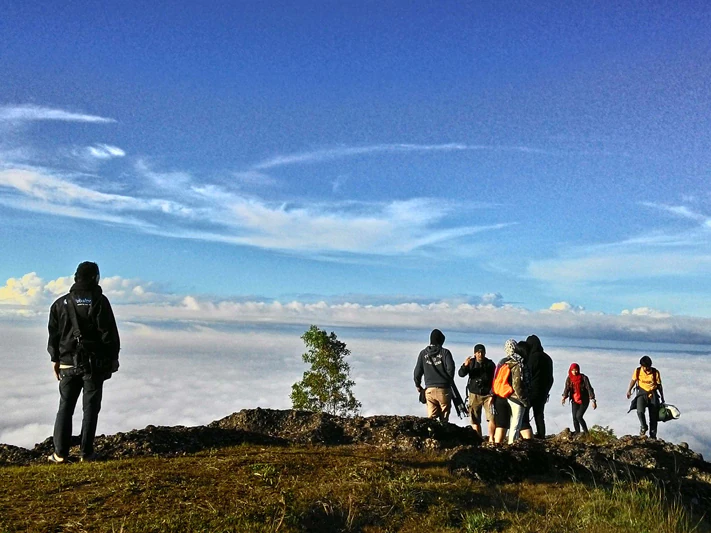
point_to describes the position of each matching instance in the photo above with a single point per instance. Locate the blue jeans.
(517, 413)
(70, 386)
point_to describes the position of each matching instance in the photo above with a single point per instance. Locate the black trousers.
(70, 386)
(538, 406)
(578, 412)
(644, 403)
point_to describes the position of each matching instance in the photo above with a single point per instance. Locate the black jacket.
(96, 321)
(587, 393)
(541, 367)
(481, 375)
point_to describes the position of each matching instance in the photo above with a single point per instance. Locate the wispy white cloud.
(254, 178)
(29, 113)
(616, 266)
(659, 252)
(681, 211)
(105, 151)
(309, 227)
(328, 154)
(57, 195)
(163, 180)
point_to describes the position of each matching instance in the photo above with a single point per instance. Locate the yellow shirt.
(645, 380)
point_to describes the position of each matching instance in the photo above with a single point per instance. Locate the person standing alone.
(481, 375)
(649, 396)
(578, 389)
(437, 366)
(84, 348)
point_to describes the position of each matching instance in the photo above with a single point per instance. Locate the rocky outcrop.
(393, 432)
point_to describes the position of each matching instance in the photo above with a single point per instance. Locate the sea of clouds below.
(191, 375)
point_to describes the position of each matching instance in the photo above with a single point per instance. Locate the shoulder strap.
(72, 312)
(636, 376)
(445, 376)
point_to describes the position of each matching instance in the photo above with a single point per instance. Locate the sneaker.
(56, 459)
(88, 458)
(642, 432)
(652, 435)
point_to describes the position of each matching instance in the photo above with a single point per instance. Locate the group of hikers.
(84, 349)
(519, 384)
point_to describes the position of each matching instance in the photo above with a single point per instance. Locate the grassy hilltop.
(286, 471)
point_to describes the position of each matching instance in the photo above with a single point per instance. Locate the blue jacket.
(429, 358)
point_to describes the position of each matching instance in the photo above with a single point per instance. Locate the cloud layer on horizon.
(199, 374)
(143, 302)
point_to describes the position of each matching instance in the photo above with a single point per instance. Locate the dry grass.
(274, 489)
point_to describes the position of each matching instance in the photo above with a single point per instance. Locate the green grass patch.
(330, 489)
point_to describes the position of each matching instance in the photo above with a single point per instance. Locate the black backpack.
(90, 357)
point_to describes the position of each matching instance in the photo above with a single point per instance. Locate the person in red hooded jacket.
(581, 393)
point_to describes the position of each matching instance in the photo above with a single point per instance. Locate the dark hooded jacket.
(541, 367)
(96, 322)
(481, 375)
(434, 356)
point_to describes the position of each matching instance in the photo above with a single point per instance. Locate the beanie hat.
(646, 361)
(436, 337)
(87, 271)
(480, 348)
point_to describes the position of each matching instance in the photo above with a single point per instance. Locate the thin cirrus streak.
(341, 152)
(30, 113)
(105, 151)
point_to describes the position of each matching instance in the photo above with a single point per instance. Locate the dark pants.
(643, 403)
(578, 412)
(70, 386)
(537, 405)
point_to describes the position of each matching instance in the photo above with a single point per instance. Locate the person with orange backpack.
(511, 382)
(650, 395)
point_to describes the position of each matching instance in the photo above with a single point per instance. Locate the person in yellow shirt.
(649, 395)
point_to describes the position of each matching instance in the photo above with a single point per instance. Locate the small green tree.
(327, 387)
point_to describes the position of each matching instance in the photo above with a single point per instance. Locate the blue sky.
(241, 170)
(514, 158)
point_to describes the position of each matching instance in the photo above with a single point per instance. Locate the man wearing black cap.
(84, 348)
(437, 366)
(481, 375)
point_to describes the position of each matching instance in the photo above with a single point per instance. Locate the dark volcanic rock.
(14, 455)
(677, 468)
(395, 432)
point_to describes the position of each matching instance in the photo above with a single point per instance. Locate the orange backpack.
(502, 386)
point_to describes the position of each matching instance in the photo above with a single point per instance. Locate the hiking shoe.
(54, 458)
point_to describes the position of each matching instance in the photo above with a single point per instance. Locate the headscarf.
(576, 381)
(511, 353)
